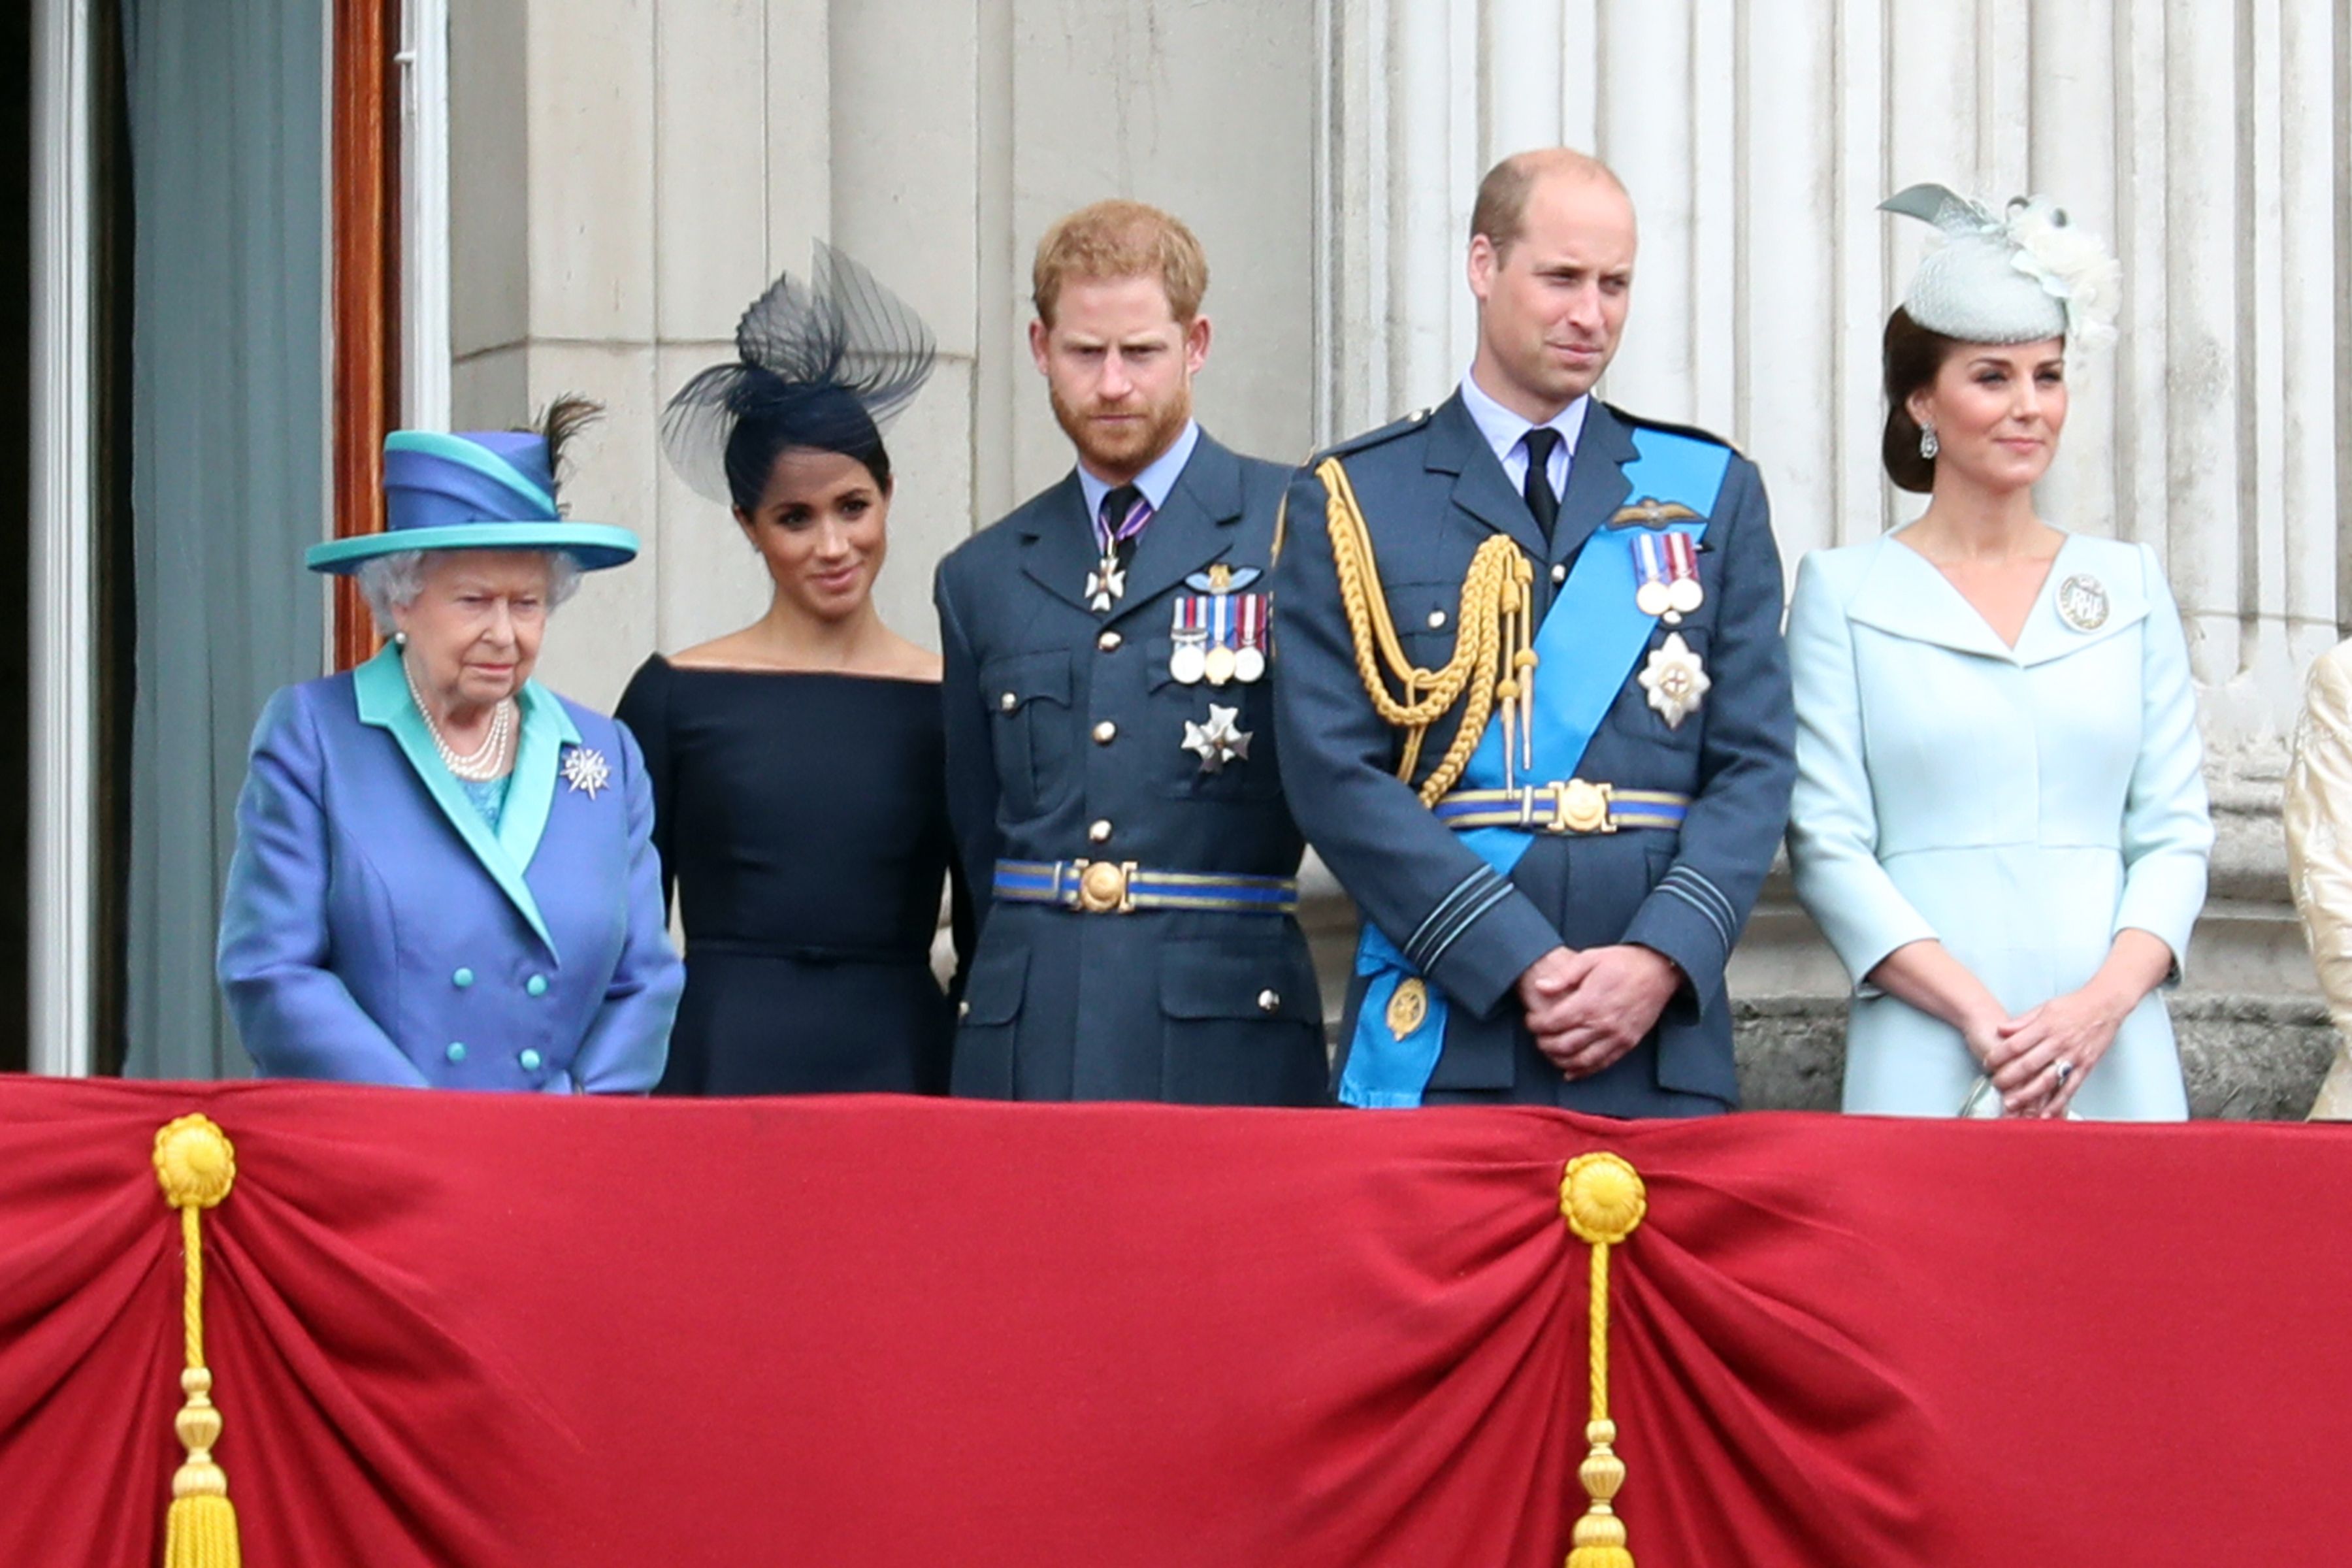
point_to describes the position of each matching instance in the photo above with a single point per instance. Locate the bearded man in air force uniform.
(1533, 702)
(1112, 773)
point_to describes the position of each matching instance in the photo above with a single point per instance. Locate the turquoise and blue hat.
(478, 489)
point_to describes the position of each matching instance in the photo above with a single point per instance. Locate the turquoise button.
(455, 1053)
(462, 979)
(536, 984)
(530, 1060)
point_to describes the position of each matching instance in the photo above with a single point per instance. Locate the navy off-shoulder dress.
(802, 821)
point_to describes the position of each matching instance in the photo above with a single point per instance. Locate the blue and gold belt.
(1577, 805)
(1121, 887)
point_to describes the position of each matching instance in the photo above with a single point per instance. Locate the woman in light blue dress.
(2000, 819)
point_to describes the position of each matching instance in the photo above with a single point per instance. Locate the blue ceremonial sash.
(1584, 651)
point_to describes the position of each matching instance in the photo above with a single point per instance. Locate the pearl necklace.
(484, 763)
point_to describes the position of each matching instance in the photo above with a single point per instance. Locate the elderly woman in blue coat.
(1999, 819)
(444, 872)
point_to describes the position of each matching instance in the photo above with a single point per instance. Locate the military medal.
(1249, 655)
(1676, 680)
(2083, 602)
(1220, 740)
(1107, 584)
(1684, 594)
(1652, 598)
(1219, 661)
(1186, 659)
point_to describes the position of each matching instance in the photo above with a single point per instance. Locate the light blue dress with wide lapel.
(2020, 805)
(377, 929)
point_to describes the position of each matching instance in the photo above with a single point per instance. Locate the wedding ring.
(2066, 1071)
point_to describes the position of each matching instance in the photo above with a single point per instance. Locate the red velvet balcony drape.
(470, 1330)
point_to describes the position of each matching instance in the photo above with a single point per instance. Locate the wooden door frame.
(364, 213)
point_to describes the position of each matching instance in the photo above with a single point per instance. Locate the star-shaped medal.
(1220, 740)
(1676, 680)
(585, 769)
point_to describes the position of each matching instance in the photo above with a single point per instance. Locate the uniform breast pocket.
(1028, 696)
(1208, 742)
(1426, 616)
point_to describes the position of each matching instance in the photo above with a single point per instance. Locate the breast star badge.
(1676, 680)
(585, 769)
(1220, 740)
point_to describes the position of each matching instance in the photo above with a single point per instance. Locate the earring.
(400, 639)
(1928, 445)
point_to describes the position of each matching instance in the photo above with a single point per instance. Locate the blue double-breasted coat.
(1432, 491)
(1064, 741)
(377, 930)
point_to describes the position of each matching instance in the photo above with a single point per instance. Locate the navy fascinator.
(826, 363)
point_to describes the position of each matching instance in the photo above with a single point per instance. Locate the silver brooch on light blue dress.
(2083, 602)
(585, 769)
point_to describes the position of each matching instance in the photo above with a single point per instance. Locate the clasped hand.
(1587, 1008)
(2021, 1055)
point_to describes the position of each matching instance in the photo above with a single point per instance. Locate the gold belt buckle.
(1580, 806)
(1103, 887)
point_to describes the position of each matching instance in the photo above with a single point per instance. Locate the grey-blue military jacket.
(1432, 491)
(1064, 742)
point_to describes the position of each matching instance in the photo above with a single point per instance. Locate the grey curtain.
(228, 410)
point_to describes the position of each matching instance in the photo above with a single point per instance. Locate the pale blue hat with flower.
(2017, 277)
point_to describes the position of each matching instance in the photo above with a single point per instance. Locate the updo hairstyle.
(771, 414)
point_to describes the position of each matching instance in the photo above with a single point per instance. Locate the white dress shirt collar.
(1506, 433)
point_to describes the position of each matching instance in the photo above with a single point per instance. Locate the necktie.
(1540, 440)
(1124, 513)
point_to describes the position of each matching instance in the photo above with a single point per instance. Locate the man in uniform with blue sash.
(1534, 706)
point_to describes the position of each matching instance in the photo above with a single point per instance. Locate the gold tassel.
(1603, 1201)
(197, 1166)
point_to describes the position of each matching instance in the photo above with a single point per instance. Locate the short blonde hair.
(1116, 239)
(1501, 209)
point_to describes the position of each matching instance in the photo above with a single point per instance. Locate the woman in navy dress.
(798, 764)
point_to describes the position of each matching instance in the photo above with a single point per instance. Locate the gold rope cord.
(1494, 655)
(1603, 1199)
(195, 1164)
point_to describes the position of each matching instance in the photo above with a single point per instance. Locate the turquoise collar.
(382, 690)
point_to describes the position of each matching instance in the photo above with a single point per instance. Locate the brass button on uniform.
(1105, 732)
(1008, 702)
(963, 1009)
(1109, 642)
(1559, 574)
(1100, 831)
(1437, 620)
(1269, 1001)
